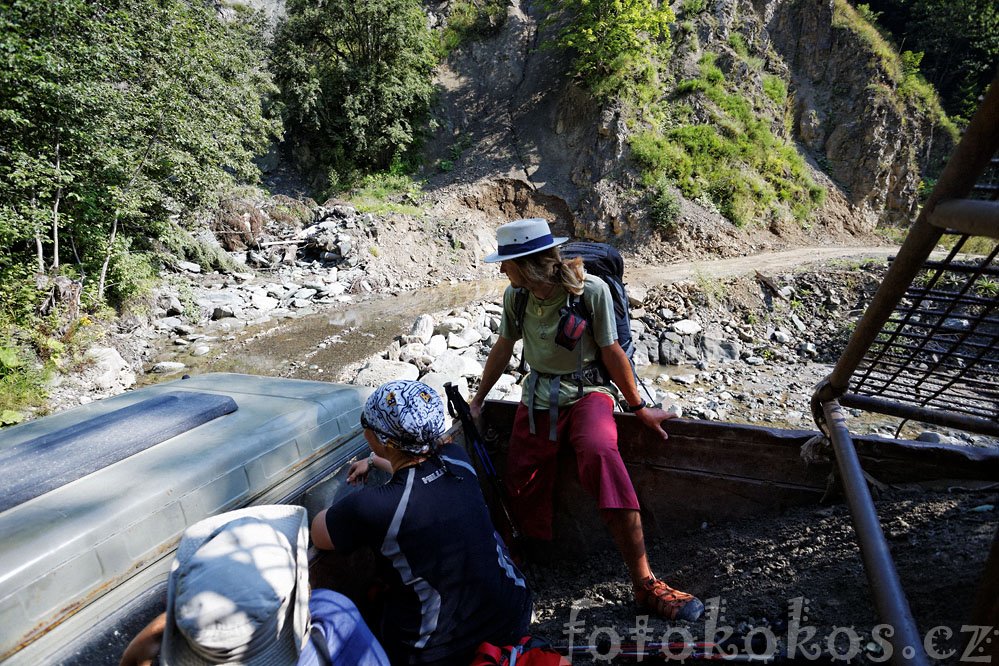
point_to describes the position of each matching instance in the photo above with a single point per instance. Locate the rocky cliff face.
(848, 113)
(520, 118)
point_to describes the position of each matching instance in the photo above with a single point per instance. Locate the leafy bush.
(21, 382)
(472, 19)
(738, 43)
(734, 163)
(664, 207)
(605, 34)
(354, 92)
(775, 89)
(691, 7)
(386, 192)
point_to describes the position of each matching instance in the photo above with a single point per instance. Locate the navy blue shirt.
(452, 584)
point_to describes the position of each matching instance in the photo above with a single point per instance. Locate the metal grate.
(940, 346)
(987, 187)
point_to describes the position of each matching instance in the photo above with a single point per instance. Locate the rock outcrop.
(525, 122)
(849, 113)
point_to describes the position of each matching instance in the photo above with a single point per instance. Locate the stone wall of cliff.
(849, 112)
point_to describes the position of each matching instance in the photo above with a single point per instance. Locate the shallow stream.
(320, 345)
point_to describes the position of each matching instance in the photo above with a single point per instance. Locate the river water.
(318, 346)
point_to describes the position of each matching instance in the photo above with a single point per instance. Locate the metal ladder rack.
(927, 349)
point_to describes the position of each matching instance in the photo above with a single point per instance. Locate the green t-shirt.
(542, 354)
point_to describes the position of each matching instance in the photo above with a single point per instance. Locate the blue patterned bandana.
(405, 415)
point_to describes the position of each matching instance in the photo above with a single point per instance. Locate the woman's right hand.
(475, 408)
(357, 475)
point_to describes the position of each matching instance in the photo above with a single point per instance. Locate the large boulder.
(670, 351)
(452, 325)
(714, 347)
(378, 371)
(451, 363)
(437, 345)
(436, 381)
(109, 371)
(423, 328)
(501, 389)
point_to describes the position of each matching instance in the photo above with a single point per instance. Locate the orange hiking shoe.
(661, 599)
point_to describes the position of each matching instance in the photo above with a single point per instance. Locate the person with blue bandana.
(451, 582)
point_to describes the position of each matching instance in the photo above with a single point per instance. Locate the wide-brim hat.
(238, 592)
(521, 238)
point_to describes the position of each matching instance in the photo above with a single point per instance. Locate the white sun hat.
(238, 591)
(521, 238)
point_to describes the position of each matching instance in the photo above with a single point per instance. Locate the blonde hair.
(548, 267)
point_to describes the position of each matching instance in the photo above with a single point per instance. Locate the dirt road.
(768, 262)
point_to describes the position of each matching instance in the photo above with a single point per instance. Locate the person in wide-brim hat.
(238, 594)
(577, 371)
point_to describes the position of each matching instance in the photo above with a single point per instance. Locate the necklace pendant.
(539, 309)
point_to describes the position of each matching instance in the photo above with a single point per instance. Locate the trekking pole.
(459, 409)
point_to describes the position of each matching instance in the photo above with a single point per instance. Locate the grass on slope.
(735, 162)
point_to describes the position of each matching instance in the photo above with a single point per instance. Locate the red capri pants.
(588, 425)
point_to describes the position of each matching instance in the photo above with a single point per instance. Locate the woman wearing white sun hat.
(565, 405)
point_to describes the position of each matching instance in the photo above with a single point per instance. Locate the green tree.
(603, 34)
(959, 39)
(116, 115)
(355, 79)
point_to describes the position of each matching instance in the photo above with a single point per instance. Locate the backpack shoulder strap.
(519, 308)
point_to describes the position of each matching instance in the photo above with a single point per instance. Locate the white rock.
(436, 381)
(423, 328)
(410, 352)
(112, 372)
(200, 350)
(501, 388)
(378, 371)
(437, 345)
(452, 325)
(188, 266)
(636, 296)
(263, 302)
(686, 327)
(167, 367)
(781, 336)
(463, 338)
(453, 364)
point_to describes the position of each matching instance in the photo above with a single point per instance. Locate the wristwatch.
(631, 409)
(371, 459)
